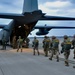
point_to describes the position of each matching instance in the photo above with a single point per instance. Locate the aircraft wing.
(43, 30)
(11, 16)
(44, 17)
(54, 27)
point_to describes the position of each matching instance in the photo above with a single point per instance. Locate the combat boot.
(73, 57)
(17, 50)
(46, 55)
(34, 53)
(21, 50)
(38, 53)
(57, 59)
(50, 58)
(66, 63)
(73, 66)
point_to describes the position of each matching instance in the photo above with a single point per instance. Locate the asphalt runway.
(25, 63)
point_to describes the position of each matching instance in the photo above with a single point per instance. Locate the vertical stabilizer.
(30, 6)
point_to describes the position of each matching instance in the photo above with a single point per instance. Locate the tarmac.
(25, 63)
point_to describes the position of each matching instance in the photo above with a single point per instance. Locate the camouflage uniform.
(55, 48)
(67, 46)
(46, 45)
(35, 45)
(19, 43)
(73, 43)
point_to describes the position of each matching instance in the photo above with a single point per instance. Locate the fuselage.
(24, 25)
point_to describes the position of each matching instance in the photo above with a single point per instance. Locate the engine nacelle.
(42, 32)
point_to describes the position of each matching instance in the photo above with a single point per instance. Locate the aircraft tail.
(30, 6)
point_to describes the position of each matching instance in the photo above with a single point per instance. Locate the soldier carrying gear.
(46, 45)
(19, 43)
(67, 47)
(55, 48)
(45, 37)
(35, 45)
(73, 44)
(44, 41)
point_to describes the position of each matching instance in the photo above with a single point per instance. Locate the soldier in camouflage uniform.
(46, 45)
(44, 42)
(35, 45)
(55, 48)
(19, 43)
(66, 48)
(73, 43)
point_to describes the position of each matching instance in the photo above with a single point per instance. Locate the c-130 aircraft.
(23, 24)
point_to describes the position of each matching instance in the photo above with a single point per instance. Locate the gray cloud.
(11, 6)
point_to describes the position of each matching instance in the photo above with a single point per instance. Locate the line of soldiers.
(52, 45)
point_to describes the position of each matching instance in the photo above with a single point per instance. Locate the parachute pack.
(47, 43)
(55, 43)
(67, 45)
(35, 43)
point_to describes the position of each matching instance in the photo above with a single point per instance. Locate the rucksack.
(67, 46)
(56, 43)
(47, 43)
(35, 42)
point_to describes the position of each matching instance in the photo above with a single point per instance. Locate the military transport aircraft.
(22, 24)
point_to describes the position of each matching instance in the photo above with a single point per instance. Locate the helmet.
(65, 36)
(35, 37)
(19, 36)
(45, 37)
(53, 37)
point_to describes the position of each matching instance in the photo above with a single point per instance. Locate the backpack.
(55, 43)
(47, 43)
(67, 46)
(35, 43)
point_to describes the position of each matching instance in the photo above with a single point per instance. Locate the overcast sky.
(50, 7)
